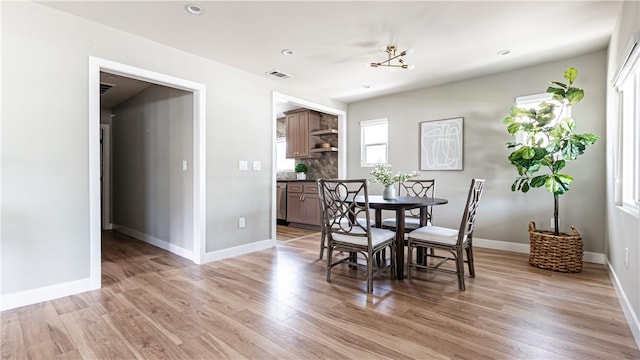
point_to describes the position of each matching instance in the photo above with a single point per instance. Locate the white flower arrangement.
(384, 175)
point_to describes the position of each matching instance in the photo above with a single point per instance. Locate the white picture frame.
(441, 144)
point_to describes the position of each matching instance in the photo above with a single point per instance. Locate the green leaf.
(539, 180)
(571, 74)
(508, 120)
(558, 165)
(514, 128)
(574, 95)
(518, 112)
(558, 184)
(525, 187)
(556, 92)
(587, 139)
(528, 152)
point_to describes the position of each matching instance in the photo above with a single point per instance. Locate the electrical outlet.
(626, 257)
(241, 223)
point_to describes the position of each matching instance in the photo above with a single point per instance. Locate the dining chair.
(346, 233)
(455, 241)
(423, 188)
(323, 228)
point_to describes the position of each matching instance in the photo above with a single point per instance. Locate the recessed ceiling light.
(504, 52)
(287, 52)
(366, 86)
(194, 9)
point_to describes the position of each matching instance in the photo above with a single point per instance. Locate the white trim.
(163, 244)
(535, 98)
(627, 309)
(238, 250)
(342, 143)
(105, 161)
(590, 257)
(45, 293)
(199, 157)
(631, 59)
(95, 232)
(501, 245)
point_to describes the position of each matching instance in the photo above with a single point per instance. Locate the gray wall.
(623, 229)
(152, 134)
(45, 165)
(484, 102)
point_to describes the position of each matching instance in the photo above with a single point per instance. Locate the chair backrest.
(340, 212)
(470, 210)
(423, 188)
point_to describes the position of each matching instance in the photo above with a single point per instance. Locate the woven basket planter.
(561, 252)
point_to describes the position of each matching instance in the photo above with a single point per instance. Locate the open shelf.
(319, 150)
(324, 132)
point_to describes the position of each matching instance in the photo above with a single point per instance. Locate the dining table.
(400, 204)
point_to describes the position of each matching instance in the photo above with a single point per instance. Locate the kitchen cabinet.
(303, 204)
(299, 125)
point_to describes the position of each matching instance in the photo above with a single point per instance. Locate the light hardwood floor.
(285, 233)
(276, 304)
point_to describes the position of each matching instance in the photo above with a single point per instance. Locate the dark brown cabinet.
(299, 125)
(303, 204)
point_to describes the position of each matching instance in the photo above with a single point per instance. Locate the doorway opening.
(281, 103)
(194, 101)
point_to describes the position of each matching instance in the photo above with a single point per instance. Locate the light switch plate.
(257, 165)
(243, 165)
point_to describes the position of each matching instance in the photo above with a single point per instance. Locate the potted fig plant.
(548, 142)
(301, 171)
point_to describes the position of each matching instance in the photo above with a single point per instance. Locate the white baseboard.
(109, 226)
(185, 253)
(591, 257)
(45, 293)
(237, 250)
(632, 319)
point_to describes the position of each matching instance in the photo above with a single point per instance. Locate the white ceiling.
(334, 41)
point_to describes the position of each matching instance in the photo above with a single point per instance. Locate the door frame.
(105, 175)
(96, 65)
(342, 143)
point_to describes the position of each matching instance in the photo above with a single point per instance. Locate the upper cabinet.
(299, 139)
(305, 138)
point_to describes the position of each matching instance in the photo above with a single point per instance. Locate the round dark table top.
(407, 202)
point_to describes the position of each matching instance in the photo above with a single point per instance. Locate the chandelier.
(392, 55)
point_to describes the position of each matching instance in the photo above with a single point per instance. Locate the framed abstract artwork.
(441, 144)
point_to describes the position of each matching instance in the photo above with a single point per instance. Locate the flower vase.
(301, 176)
(389, 192)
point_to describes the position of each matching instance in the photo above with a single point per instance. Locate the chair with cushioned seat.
(348, 228)
(323, 230)
(455, 241)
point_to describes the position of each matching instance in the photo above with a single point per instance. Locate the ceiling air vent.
(278, 74)
(104, 87)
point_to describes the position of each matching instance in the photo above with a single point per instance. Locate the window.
(627, 82)
(533, 102)
(373, 142)
(282, 163)
(630, 91)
